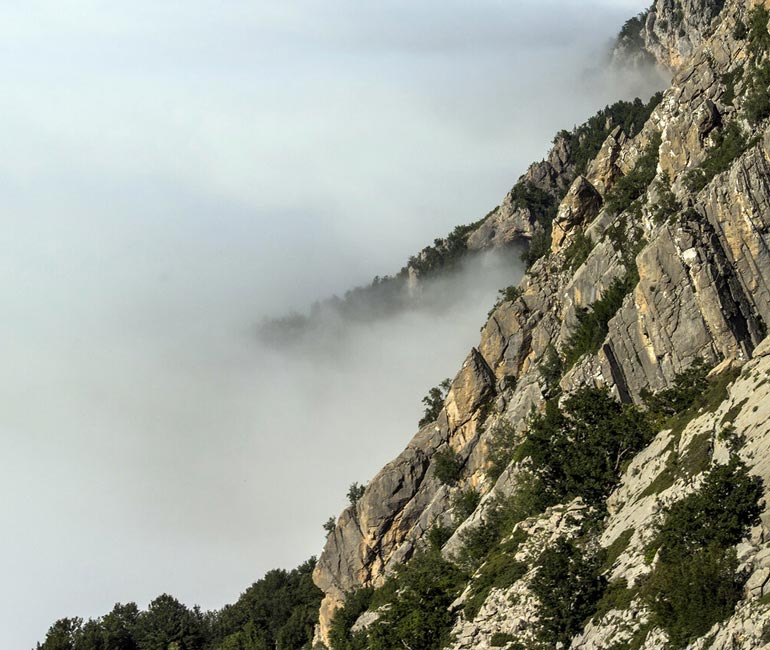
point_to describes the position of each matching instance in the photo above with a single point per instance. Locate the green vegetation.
(500, 520)
(464, 503)
(696, 582)
(616, 548)
(551, 369)
(569, 587)
(542, 206)
(586, 140)
(279, 611)
(759, 37)
(577, 252)
(356, 603)
(631, 186)
(413, 606)
(509, 294)
(434, 402)
(666, 207)
(579, 448)
(756, 105)
(616, 595)
(329, 525)
(593, 322)
(355, 492)
(447, 466)
(500, 570)
(729, 143)
(631, 33)
(501, 448)
(501, 639)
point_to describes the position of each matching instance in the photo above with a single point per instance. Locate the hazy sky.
(173, 172)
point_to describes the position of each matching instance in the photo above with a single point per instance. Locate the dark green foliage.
(356, 603)
(729, 80)
(696, 580)
(278, 611)
(329, 525)
(740, 31)
(729, 143)
(529, 499)
(688, 597)
(666, 206)
(687, 386)
(355, 492)
(586, 140)
(539, 246)
(509, 294)
(580, 449)
(568, 586)
(500, 639)
(63, 634)
(593, 322)
(501, 448)
(616, 595)
(464, 503)
(631, 32)
(434, 402)
(759, 37)
(438, 536)
(542, 206)
(577, 252)
(756, 105)
(499, 570)
(551, 369)
(616, 548)
(719, 513)
(168, 623)
(417, 599)
(447, 466)
(631, 186)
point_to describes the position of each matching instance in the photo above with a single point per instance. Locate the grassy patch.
(615, 549)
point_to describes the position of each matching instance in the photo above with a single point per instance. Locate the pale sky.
(174, 172)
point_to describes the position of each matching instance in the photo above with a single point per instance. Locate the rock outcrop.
(681, 251)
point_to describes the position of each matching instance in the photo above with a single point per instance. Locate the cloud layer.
(172, 173)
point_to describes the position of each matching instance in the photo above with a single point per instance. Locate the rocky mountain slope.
(647, 298)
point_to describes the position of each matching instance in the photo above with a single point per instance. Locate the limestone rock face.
(510, 222)
(697, 265)
(579, 207)
(670, 31)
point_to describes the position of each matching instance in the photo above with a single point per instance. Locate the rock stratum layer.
(682, 221)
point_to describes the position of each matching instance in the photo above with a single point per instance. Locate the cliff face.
(672, 228)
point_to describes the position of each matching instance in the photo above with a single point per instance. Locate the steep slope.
(658, 258)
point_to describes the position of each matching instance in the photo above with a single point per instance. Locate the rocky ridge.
(688, 266)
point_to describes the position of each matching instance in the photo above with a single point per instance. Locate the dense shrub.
(542, 206)
(551, 369)
(464, 503)
(414, 605)
(447, 466)
(756, 105)
(568, 586)
(759, 37)
(729, 143)
(277, 612)
(687, 386)
(434, 402)
(696, 581)
(501, 447)
(580, 449)
(355, 492)
(340, 635)
(586, 140)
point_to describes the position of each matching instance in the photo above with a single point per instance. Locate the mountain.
(596, 474)
(654, 281)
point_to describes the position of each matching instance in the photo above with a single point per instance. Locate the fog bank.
(175, 172)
